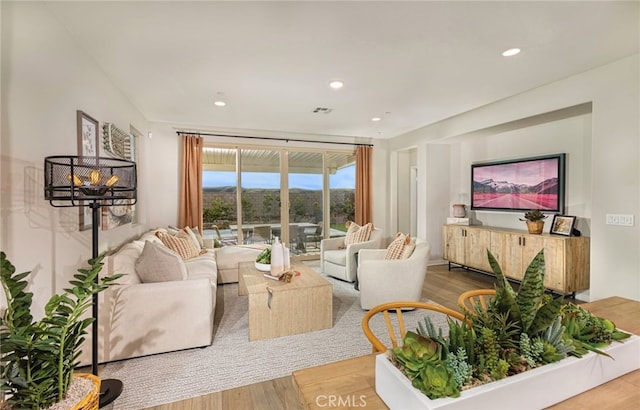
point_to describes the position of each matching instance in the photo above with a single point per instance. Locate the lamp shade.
(73, 180)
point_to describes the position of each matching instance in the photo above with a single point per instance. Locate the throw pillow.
(396, 248)
(409, 248)
(199, 237)
(192, 236)
(173, 230)
(158, 263)
(357, 233)
(183, 246)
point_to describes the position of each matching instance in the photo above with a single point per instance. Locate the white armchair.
(341, 263)
(383, 281)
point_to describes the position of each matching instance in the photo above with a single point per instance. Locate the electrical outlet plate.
(626, 220)
(620, 219)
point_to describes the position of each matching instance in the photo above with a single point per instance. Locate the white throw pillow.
(199, 237)
(191, 234)
(172, 230)
(157, 263)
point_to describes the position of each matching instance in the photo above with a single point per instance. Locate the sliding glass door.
(341, 170)
(298, 196)
(305, 183)
(219, 194)
(260, 195)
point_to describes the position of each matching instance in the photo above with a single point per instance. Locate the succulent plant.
(516, 332)
(436, 380)
(530, 308)
(533, 216)
(462, 370)
(423, 360)
(417, 350)
(588, 332)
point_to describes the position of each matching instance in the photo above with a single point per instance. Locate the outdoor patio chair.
(313, 234)
(263, 232)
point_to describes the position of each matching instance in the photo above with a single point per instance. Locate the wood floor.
(441, 286)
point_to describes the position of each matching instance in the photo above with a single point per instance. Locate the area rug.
(232, 361)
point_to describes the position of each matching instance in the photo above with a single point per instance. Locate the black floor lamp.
(73, 181)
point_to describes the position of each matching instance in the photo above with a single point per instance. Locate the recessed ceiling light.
(511, 52)
(376, 119)
(220, 103)
(336, 84)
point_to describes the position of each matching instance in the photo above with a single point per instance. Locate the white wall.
(603, 163)
(46, 77)
(571, 136)
(164, 169)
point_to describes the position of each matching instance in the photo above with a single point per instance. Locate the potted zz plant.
(535, 221)
(37, 358)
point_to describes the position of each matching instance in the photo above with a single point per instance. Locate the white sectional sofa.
(138, 318)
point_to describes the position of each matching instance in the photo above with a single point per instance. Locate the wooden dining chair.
(397, 308)
(469, 300)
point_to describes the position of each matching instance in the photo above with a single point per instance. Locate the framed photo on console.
(562, 225)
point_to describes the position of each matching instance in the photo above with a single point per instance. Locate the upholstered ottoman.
(228, 258)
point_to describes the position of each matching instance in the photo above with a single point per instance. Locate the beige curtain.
(191, 183)
(363, 185)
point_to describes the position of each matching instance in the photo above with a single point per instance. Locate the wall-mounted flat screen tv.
(519, 184)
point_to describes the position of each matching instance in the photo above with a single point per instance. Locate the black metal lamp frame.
(73, 181)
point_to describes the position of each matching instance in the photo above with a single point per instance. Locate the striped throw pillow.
(183, 246)
(396, 248)
(357, 233)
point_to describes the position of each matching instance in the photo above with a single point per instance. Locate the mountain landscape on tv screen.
(508, 195)
(548, 186)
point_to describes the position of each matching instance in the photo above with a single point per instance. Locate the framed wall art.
(118, 143)
(562, 225)
(88, 146)
(117, 215)
(522, 184)
(88, 135)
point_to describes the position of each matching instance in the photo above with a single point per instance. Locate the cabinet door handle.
(523, 241)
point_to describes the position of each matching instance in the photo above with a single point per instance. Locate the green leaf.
(531, 291)
(546, 315)
(505, 295)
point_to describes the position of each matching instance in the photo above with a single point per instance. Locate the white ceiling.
(410, 63)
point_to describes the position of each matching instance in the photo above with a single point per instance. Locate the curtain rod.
(273, 139)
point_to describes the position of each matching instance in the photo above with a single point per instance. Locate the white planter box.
(535, 389)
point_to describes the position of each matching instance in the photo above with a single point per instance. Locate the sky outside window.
(343, 178)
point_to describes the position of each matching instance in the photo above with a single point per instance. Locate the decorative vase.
(459, 210)
(535, 227)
